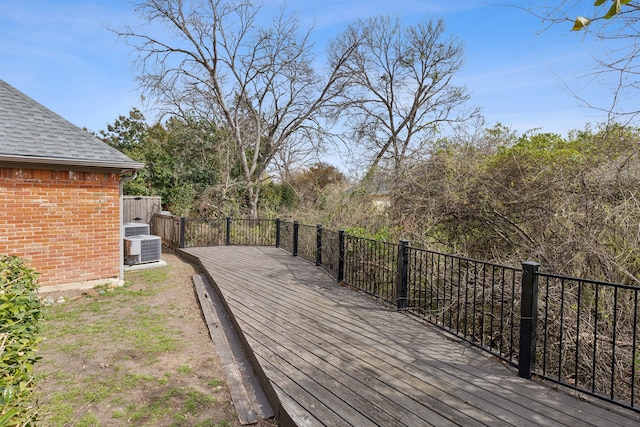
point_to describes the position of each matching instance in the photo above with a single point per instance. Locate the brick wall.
(66, 223)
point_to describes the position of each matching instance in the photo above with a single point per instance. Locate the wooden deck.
(336, 357)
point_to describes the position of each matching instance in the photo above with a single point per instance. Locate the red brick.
(65, 223)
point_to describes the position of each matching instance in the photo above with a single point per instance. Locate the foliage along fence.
(575, 332)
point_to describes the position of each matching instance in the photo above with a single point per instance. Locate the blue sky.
(59, 53)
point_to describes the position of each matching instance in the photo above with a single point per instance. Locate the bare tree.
(401, 89)
(217, 61)
(613, 24)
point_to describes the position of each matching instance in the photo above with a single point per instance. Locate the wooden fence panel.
(140, 208)
(168, 228)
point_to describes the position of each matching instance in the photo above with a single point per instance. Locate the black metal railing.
(251, 232)
(286, 236)
(203, 232)
(588, 336)
(193, 232)
(330, 249)
(307, 242)
(371, 266)
(478, 301)
(579, 333)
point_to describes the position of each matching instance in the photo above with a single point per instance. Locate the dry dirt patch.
(137, 355)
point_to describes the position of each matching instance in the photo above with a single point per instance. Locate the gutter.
(75, 163)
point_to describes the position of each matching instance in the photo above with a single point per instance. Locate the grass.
(185, 369)
(215, 383)
(125, 336)
(156, 275)
(191, 402)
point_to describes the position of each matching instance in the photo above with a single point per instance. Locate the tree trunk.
(252, 202)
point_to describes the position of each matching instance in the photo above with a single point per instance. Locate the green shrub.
(20, 313)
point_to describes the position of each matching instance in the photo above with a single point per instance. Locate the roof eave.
(122, 166)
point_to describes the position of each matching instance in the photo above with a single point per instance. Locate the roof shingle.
(33, 133)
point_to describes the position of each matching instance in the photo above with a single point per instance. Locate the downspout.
(123, 178)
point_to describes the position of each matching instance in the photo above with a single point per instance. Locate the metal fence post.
(295, 238)
(183, 226)
(228, 232)
(277, 232)
(528, 319)
(402, 275)
(318, 244)
(340, 277)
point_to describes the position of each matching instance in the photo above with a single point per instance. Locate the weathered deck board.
(246, 392)
(336, 357)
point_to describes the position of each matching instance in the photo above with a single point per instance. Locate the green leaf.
(580, 23)
(8, 394)
(599, 2)
(7, 417)
(614, 10)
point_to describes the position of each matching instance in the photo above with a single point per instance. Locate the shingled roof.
(31, 133)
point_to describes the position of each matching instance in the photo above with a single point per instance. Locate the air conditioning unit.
(142, 249)
(136, 229)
